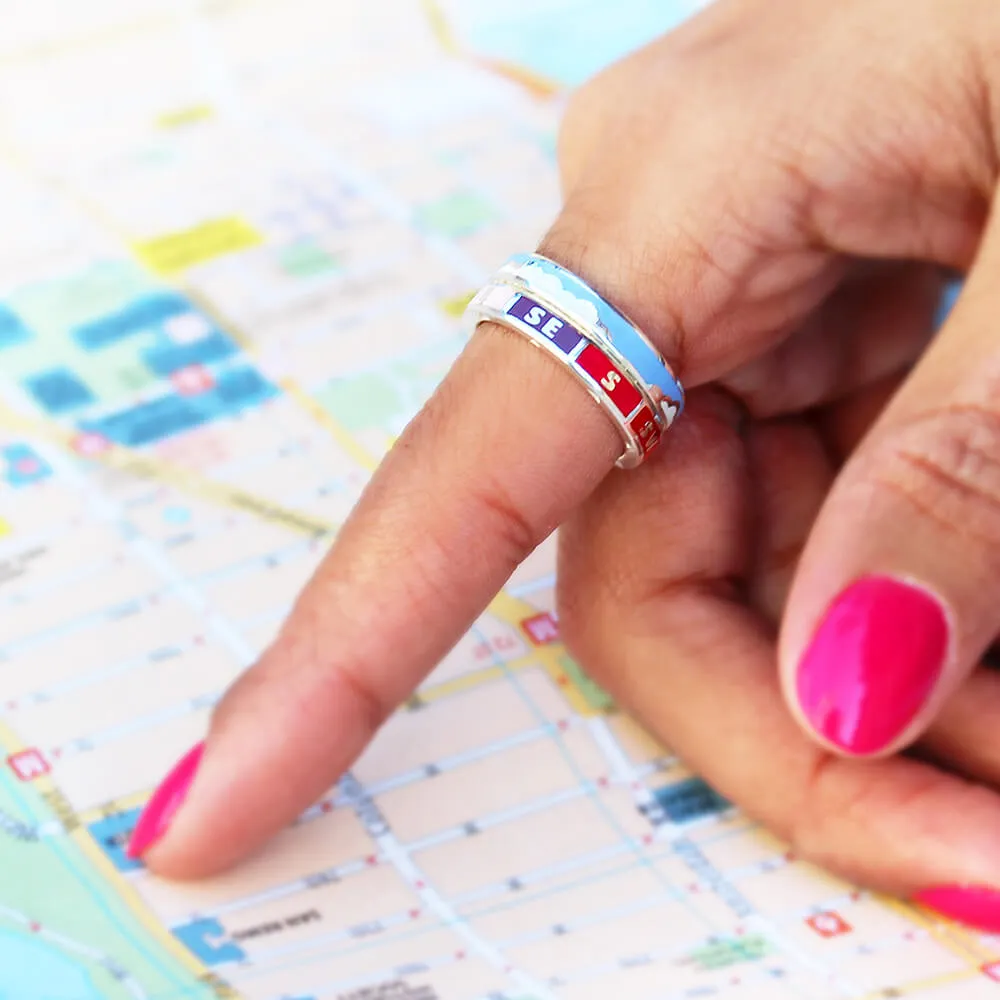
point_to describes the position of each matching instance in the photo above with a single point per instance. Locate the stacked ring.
(609, 355)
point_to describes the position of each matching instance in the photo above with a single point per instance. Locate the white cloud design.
(552, 288)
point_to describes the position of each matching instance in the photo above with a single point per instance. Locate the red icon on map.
(89, 443)
(192, 380)
(992, 971)
(541, 629)
(829, 924)
(28, 764)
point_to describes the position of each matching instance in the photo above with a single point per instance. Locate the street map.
(238, 237)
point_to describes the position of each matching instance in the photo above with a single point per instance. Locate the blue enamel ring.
(607, 353)
(579, 301)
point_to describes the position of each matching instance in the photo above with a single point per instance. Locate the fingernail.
(872, 663)
(975, 905)
(163, 806)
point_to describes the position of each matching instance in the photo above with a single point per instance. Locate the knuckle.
(505, 522)
(371, 704)
(600, 105)
(828, 806)
(851, 816)
(834, 816)
(328, 678)
(946, 466)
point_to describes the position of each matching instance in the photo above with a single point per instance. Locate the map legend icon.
(541, 629)
(829, 924)
(28, 765)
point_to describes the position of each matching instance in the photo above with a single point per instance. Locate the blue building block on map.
(12, 328)
(59, 390)
(235, 390)
(139, 316)
(22, 466)
(689, 800)
(165, 359)
(149, 422)
(241, 388)
(205, 939)
(112, 834)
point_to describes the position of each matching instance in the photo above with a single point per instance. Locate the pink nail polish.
(975, 905)
(163, 806)
(872, 663)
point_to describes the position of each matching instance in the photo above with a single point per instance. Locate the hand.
(772, 192)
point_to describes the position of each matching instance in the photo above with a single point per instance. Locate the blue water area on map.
(235, 390)
(567, 42)
(112, 834)
(22, 465)
(31, 968)
(166, 358)
(689, 800)
(59, 390)
(137, 317)
(12, 328)
(206, 940)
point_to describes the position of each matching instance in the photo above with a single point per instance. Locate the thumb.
(895, 597)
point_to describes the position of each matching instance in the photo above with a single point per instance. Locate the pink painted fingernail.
(872, 663)
(975, 905)
(163, 806)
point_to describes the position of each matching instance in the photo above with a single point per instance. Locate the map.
(239, 235)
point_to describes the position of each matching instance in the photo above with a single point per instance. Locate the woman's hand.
(773, 192)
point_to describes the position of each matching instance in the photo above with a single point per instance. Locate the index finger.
(499, 456)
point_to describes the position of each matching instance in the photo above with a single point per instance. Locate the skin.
(774, 193)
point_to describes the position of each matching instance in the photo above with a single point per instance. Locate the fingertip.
(893, 602)
(280, 738)
(866, 675)
(159, 812)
